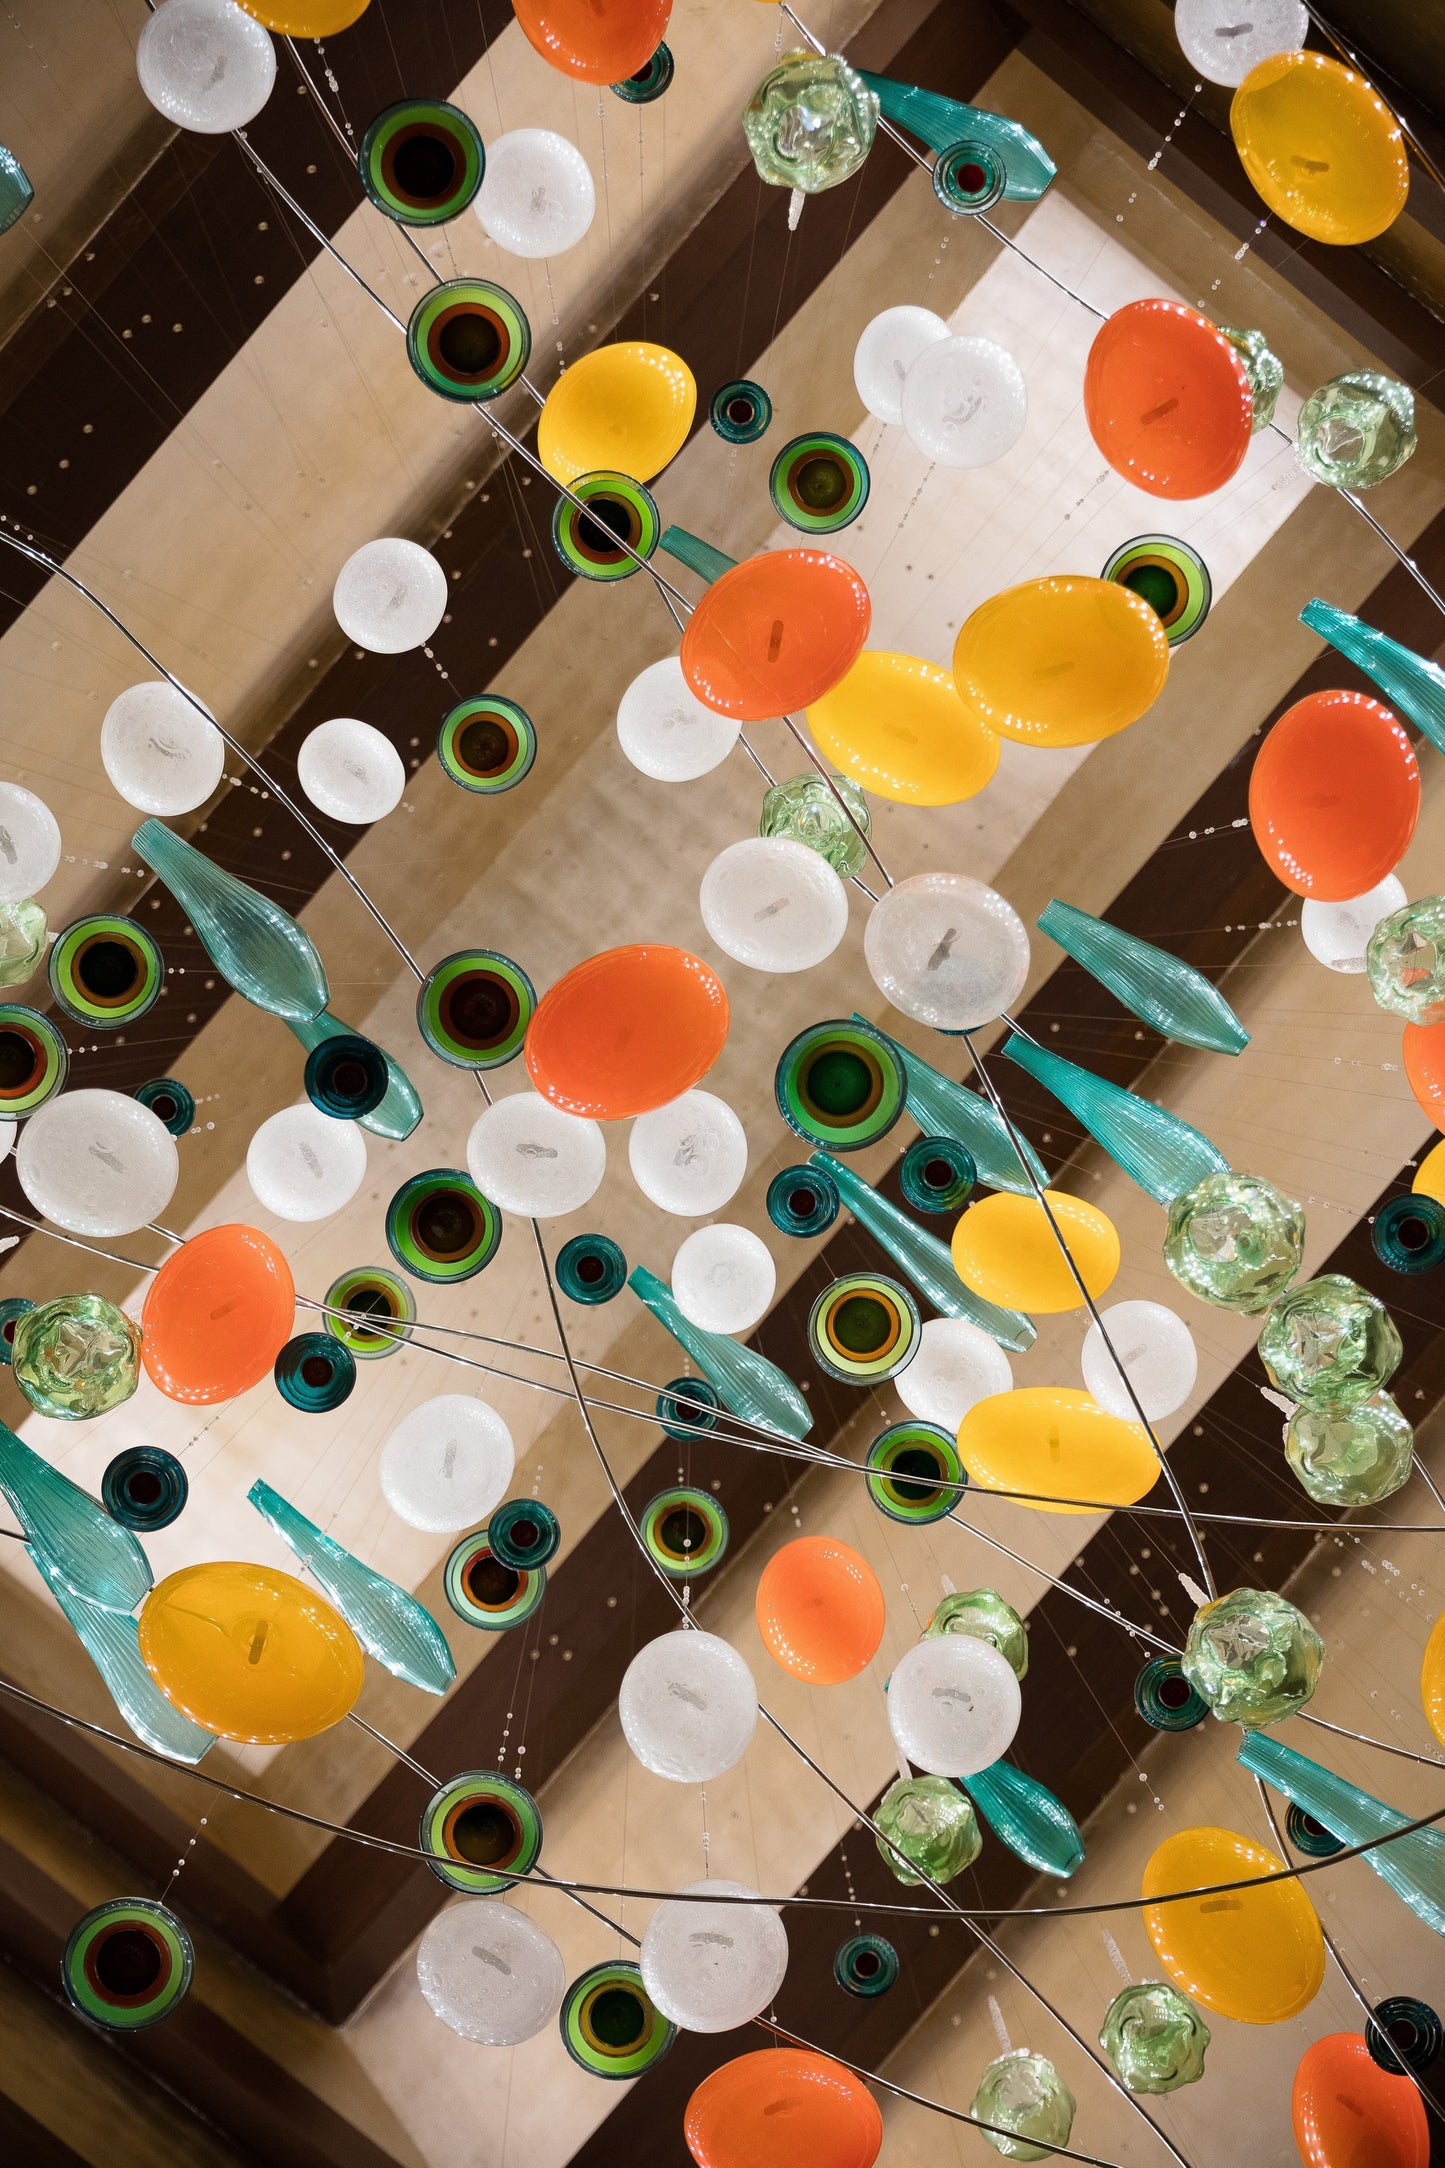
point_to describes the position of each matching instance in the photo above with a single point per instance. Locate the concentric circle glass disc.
(685, 1530)
(969, 177)
(487, 744)
(1309, 1836)
(866, 1965)
(1408, 1233)
(618, 512)
(819, 483)
(937, 1174)
(484, 1592)
(1165, 1698)
(315, 1372)
(169, 1101)
(127, 1964)
(12, 1309)
(610, 2024)
(524, 1534)
(105, 971)
(468, 339)
(1404, 2034)
(841, 1085)
(650, 81)
(915, 1473)
(802, 1201)
(144, 1488)
(1170, 576)
(380, 1311)
(688, 1408)
(740, 412)
(421, 161)
(440, 1227)
(864, 1328)
(477, 1823)
(473, 1009)
(591, 1269)
(346, 1076)
(34, 1060)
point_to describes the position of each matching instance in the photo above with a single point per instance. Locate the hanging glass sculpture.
(112, 1641)
(819, 483)
(650, 80)
(1235, 1240)
(487, 745)
(315, 1372)
(76, 1357)
(440, 1228)
(687, 1408)
(749, 1386)
(1404, 2034)
(1329, 1341)
(1154, 2037)
(468, 339)
(866, 1965)
(741, 411)
(943, 1108)
(479, 1831)
(700, 557)
(144, 1488)
(105, 972)
(1159, 988)
(1252, 1656)
(1351, 1455)
(610, 2024)
(1414, 687)
(371, 1311)
(685, 1531)
(169, 1101)
(388, 1622)
(981, 156)
(1265, 371)
(811, 122)
(34, 1060)
(256, 946)
(345, 1077)
(591, 1269)
(1155, 1148)
(1357, 430)
(829, 815)
(1025, 2095)
(1408, 1233)
(484, 1592)
(399, 1110)
(473, 1009)
(22, 941)
(127, 1964)
(524, 1534)
(864, 1328)
(840, 1084)
(937, 1175)
(421, 161)
(983, 1613)
(16, 192)
(802, 1201)
(915, 1475)
(93, 1554)
(1413, 1866)
(1164, 1697)
(931, 1823)
(1025, 1815)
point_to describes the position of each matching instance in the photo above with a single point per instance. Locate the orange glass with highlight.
(820, 1610)
(626, 1031)
(1334, 795)
(776, 633)
(217, 1315)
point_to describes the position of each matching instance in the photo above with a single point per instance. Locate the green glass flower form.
(1351, 1455)
(1253, 1657)
(22, 941)
(1024, 2094)
(1329, 1340)
(805, 810)
(76, 1357)
(1356, 430)
(1155, 2038)
(933, 1824)
(1406, 961)
(1264, 370)
(1235, 1240)
(984, 1614)
(811, 122)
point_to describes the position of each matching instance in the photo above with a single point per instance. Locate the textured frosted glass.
(751, 1387)
(1158, 1151)
(256, 946)
(1172, 996)
(93, 1554)
(112, 1641)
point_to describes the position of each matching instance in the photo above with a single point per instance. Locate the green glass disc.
(468, 339)
(127, 1964)
(381, 1310)
(439, 1227)
(421, 161)
(610, 2024)
(864, 1328)
(685, 1530)
(484, 1592)
(474, 1008)
(487, 744)
(841, 1085)
(477, 1823)
(819, 483)
(1170, 576)
(618, 512)
(915, 1473)
(105, 971)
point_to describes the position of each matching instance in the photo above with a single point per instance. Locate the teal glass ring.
(346, 1076)
(144, 1488)
(169, 1101)
(524, 1534)
(802, 1201)
(969, 177)
(315, 1372)
(688, 1408)
(1165, 1698)
(650, 81)
(1309, 1836)
(866, 1965)
(1409, 1233)
(590, 1269)
(937, 1175)
(12, 1309)
(740, 412)
(915, 1474)
(1404, 2034)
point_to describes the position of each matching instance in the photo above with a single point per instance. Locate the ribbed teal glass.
(1414, 1866)
(943, 1108)
(749, 1386)
(923, 1258)
(1155, 1149)
(256, 946)
(93, 1554)
(16, 192)
(400, 1111)
(1024, 1815)
(1165, 992)
(941, 122)
(390, 1624)
(1414, 687)
(697, 555)
(112, 1641)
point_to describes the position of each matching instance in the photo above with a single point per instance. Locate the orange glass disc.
(627, 1031)
(249, 1653)
(597, 41)
(1167, 399)
(783, 2108)
(1424, 1051)
(1349, 2113)
(820, 1610)
(776, 633)
(1334, 795)
(217, 1315)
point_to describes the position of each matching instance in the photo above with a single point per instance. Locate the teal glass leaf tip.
(94, 1555)
(1413, 1866)
(1163, 1154)
(749, 1386)
(1412, 686)
(1160, 989)
(943, 1107)
(258, 948)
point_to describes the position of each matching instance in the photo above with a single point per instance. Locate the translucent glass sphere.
(489, 1973)
(1338, 934)
(688, 1706)
(1154, 2037)
(1405, 961)
(1356, 430)
(159, 751)
(536, 197)
(1158, 1352)
(807, 808)
(205, 64)
(885, 353)
(22, 944)
(947, 950)
(350, 771)
(964, 402)
(710, 1967)
(983, 1613)
(389, 596)
(303, 1165)
(530, 1157)
(665, 730)
(1329, 1340)
(1252, 1656)
(29, 843)
(933, 1824)
(1224, 39)
(97, 1162)
(1024, 2094)
(774, 904)
(76, 1357)
(956, 1365)
(723, 1278)
(690, 1156)
(447, 1463)
(1351, 1455)
(953, 1705)
(1235, 1240)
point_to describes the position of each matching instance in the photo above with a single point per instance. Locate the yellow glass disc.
(1321, 147)
(1054, 1441)
(897, 726)
(1432, 1679)
(249, 1653)
(1005, 1250)
(1430, 1174)
(306, 18)
(1254, 1955)
(622, 409)
(1061, 661)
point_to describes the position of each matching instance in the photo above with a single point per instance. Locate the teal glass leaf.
(923, 1258)
(388, 1622)
(93, 1554)
(112, 1642)
(256, 946)
(1165, 992)
(749, 1386)
(400, 1111)
(1413, 1866)
(942, 122)
(1414, 687)
(16, 192)
(697, 555)
(1155, 1149)
(1024, 1815)
(943, 1108)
